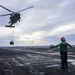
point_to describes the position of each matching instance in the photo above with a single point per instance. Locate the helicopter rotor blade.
(26, 8)
(5, 15)
(5, 8)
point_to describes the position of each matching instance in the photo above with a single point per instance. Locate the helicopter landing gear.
(19, 20)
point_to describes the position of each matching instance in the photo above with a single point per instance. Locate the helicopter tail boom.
(9, 26)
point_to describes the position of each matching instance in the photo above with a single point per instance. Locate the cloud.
(64, 29)
(40, 25)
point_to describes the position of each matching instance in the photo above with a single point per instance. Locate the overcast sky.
(44, 24)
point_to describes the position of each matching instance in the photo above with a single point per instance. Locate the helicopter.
(14, 16)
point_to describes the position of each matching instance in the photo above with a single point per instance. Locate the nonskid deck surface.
(44, 62)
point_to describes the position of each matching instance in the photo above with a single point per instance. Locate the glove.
(51, 46)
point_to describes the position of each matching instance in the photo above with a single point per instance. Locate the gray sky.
(44, 24)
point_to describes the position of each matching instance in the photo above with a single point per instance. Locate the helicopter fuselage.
(14, 18)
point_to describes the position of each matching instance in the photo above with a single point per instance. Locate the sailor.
(63, 52)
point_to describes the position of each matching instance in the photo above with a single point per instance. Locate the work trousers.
(64, 60)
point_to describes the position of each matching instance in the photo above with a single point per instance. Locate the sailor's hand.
(51, 46)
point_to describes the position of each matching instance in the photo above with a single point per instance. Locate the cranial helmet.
(63, 39)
